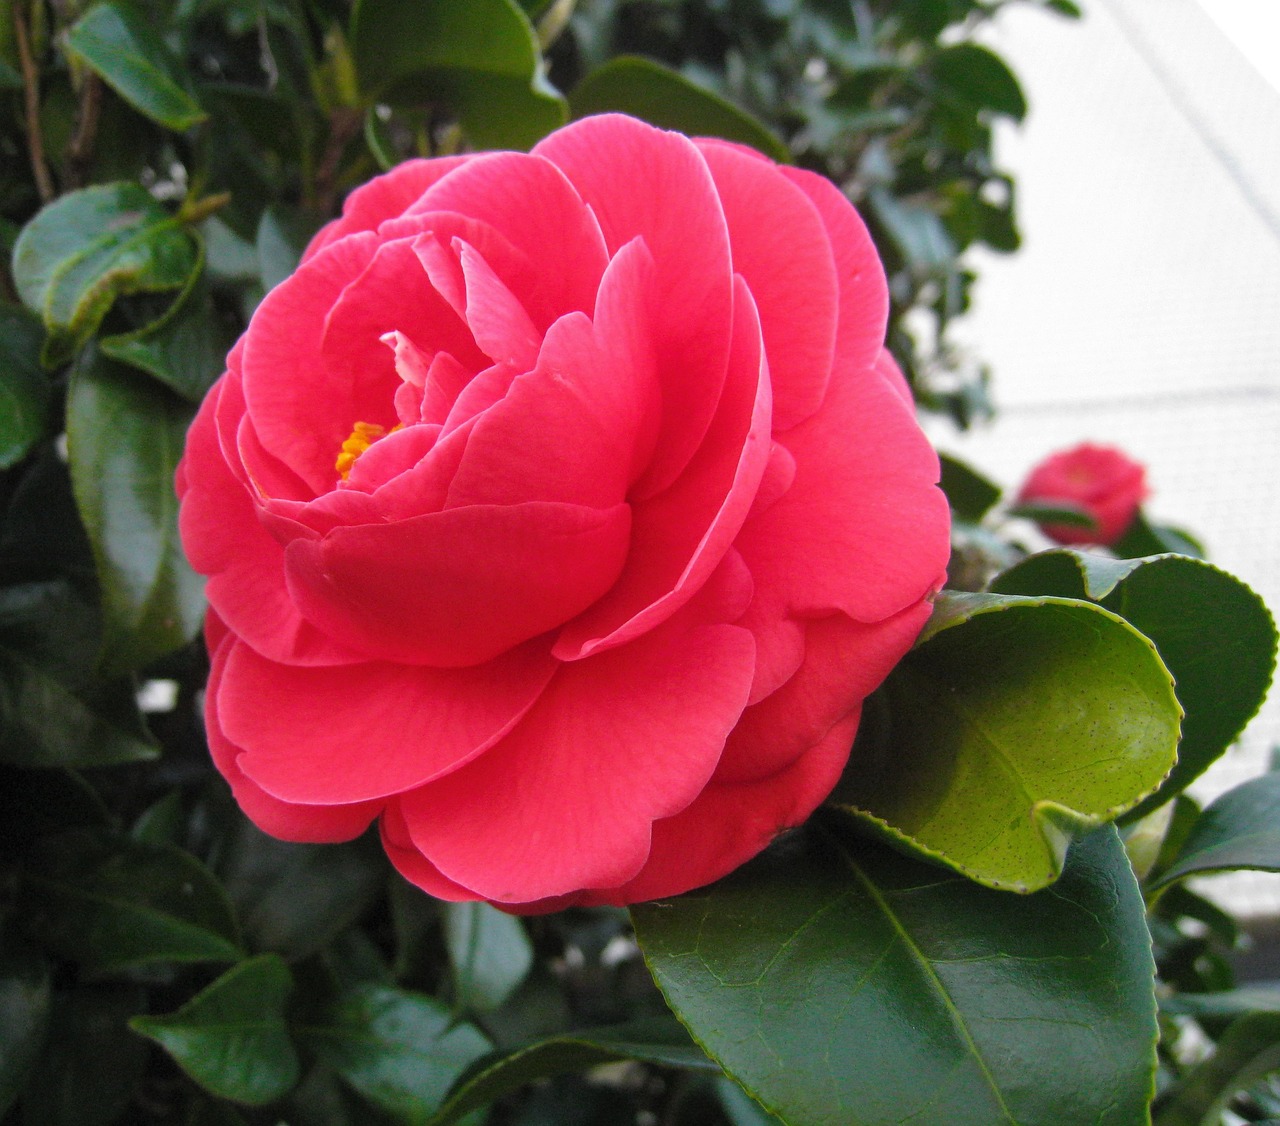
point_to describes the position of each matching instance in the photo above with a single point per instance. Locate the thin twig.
(31, 93)
(80, 147)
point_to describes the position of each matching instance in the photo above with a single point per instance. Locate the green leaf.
(125, 437)
(110, 906)
(89, 247)
(119, 41)
(1143, 538)
(490, 954)
(231, 1038)
(1213, 632)
(1247, 1051)
(970, 494)
(37, 803)
(661, 1042)
(25, 394)
(402, 1051)
(840, 982)
(480, 59)
(1068, 515)
(664, 97)
(283, 234)
(917, 234)
(25, 994)
(1228, 1003)
(91, 1066)
(1015, 725)
(981, 78)
(54, 709)
(1239, 830)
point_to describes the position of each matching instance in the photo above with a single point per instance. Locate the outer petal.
(291, 822)
(566, 800)
(457, 587)
(332, 736)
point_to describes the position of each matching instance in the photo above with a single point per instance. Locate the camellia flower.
(1106, 484)
(559, 512)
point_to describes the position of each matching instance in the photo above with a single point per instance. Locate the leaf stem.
(80, 147)
(31, 99)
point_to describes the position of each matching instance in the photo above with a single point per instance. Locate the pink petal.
(781, 247)
(333, 736)
(289, 821)
(629, 173)
(411, 864)
(567, 799)
(680, 536)
(457, 587)
(499, 323)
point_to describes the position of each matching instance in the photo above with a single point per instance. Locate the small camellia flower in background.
(1101, 481)
(559, 513)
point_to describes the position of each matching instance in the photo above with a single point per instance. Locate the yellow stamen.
(363, 435)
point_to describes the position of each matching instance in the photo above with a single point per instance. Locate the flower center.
(362, 436)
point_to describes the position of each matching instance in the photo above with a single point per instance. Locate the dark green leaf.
(89, 247)
(111, 906)
(1066, 514)
(283, 234)
(91, 1067)
(1241, 829)
(402, 1051)
(125, 437)
(1247, 1051)
(1015, 725)
(294, 898)
(981, 78)
(119, 41)
(1214, 634)
(480, 59)
(231, 1038)
(37, 803)
(55, 710)
(489, 951)
(917, 233)
(660, 1042)
(1230, 1003)
(1143, 538)
(25, 395)
(970, 494)
(24, 1014)
(741, 1108)
(664, 97)
(841, 982)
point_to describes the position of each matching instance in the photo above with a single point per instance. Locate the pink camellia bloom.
(1105, 483)
(559, 512)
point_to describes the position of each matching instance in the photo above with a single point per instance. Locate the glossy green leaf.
(1015, 725)
(402, 1051)
(232, 1038)
(1143, 538)
(660, 1042)
(489, 951)
(25, 394)
(89, 247)
(25, 977)
(1241, 829)
(981, 78)
(119, 40)
(970, 494)
(92, 1066)
(480, 59)
(1246, 1052)
(110, 906)
(125, 437)
(54, 709)
(1213, 632)
(844, 984)
(664, 97)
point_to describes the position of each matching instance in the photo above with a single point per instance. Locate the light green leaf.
(402, 1051)
(480, 59)
(1015, 725)
(844, 984)
(1246, 1052)
(231, 1038)
(89, 247)
(664, 97)
(25, 394)
(489, 951)
(1241, 829)
(125, 436)
(119, 41)
(1213, 632)
(660, 1042)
